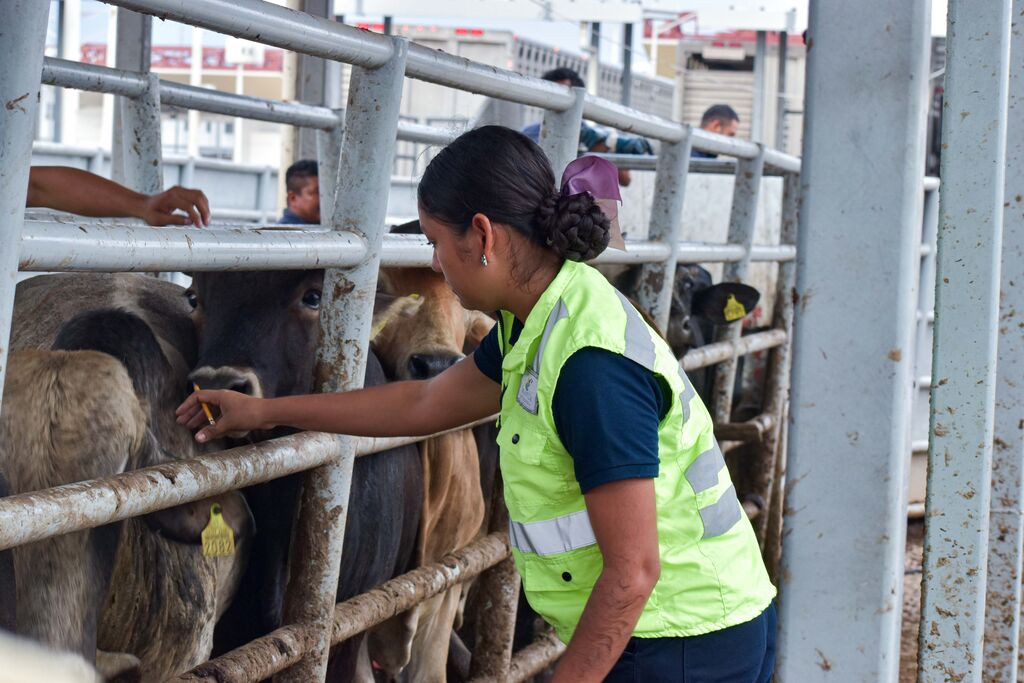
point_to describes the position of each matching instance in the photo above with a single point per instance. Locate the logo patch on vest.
(527, 395)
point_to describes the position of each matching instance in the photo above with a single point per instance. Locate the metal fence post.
(742, 220)
(560, 134)
(657, 280)
(965, 341)
(371, 123)
(21, 48)
(771, 463)
(136, 157)
(1006, 533)
(841, 572)
(328, 155)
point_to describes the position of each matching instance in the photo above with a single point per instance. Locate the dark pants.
(744, 653)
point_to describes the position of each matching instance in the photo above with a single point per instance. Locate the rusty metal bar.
(497, 597)
(966, 341)
(657, 280)
(285, 646)
(1006, 533)
(753, 430)
(768, 474)
(721, 351)
(742, 220)
(22, 42)
(28, 517)
(136, 155)
(371, 123)
(535, 657)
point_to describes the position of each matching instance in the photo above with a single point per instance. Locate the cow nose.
(427, 365)
(235, 379)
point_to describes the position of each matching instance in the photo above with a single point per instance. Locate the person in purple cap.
(623, 521)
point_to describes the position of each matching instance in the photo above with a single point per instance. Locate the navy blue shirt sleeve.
(607, 409)
(488, 355)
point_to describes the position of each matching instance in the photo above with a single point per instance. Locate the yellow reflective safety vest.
(712, 575)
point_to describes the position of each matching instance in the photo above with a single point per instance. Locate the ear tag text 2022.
(734, 310)
(218, 539)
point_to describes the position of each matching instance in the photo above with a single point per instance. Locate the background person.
(87, 194)
(593, 138)
(721, 119)
(302, 181)
(624, 523)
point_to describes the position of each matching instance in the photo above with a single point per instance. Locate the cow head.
(257, 331)
(426, 331)
(697, 305)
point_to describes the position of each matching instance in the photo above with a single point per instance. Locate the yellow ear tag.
(218, 539)
(414, 295)
(734, 310)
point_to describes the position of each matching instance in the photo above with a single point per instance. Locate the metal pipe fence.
(359, 185)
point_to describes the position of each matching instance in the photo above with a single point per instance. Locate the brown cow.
(103, 402)
(425, 335)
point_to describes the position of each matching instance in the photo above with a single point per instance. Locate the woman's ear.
(482, 231)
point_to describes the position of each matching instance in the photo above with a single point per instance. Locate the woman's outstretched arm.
(459, 395)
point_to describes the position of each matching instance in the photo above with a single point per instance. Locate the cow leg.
(349, 662)
(433, 632)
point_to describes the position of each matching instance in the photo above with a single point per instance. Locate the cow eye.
(191, 297)
(311, 299)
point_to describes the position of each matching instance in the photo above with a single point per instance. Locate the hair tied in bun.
(600, 179)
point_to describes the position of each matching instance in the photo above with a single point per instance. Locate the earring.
(483, 260)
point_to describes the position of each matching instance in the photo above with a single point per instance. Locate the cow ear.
(477, 326)
(725, 302)
(185, 523)
(398, 307)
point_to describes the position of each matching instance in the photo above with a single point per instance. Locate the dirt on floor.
(911, 601)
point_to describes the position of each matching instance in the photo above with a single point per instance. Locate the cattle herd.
(99, 362)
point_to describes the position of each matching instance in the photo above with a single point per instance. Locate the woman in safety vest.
(624, 523)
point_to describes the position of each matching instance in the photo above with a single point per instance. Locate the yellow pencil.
(206, 408)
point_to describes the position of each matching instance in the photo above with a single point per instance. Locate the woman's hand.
(237, 413)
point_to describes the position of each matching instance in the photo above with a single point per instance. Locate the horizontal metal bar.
(719, 351)
(28, 517)
(270, 24)
(721, 144)
(435, 66)
(648, 162)
(919, 446)
(931, 183)
(533, 658)
(68, 74)
(753, 429)
(368, 445)
(283, 647)
(781, 161)
(258, 108)
(416, 132)
(66, 245)
(55, 246)
(629, 120)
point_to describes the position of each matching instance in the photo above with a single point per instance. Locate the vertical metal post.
(742, 220)
(371, 124)
(926, 286)
(21, 48)
(389, 27)
(1006, 533)
(560, 134)
(328, 154)
(309, 84)
(627, 64)
(842, 577)
(657, 280)
(136, 157)
(594, 65)
(757, 110)
(965, 341)
(777, 390)
(780, 103)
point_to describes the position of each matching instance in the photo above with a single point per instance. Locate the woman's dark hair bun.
(575, 226)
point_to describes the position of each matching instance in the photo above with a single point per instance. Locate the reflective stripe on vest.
(688, 393)
(639, 345)
(721, 515)
(527, 394)
(553, 536)
(703, 472)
